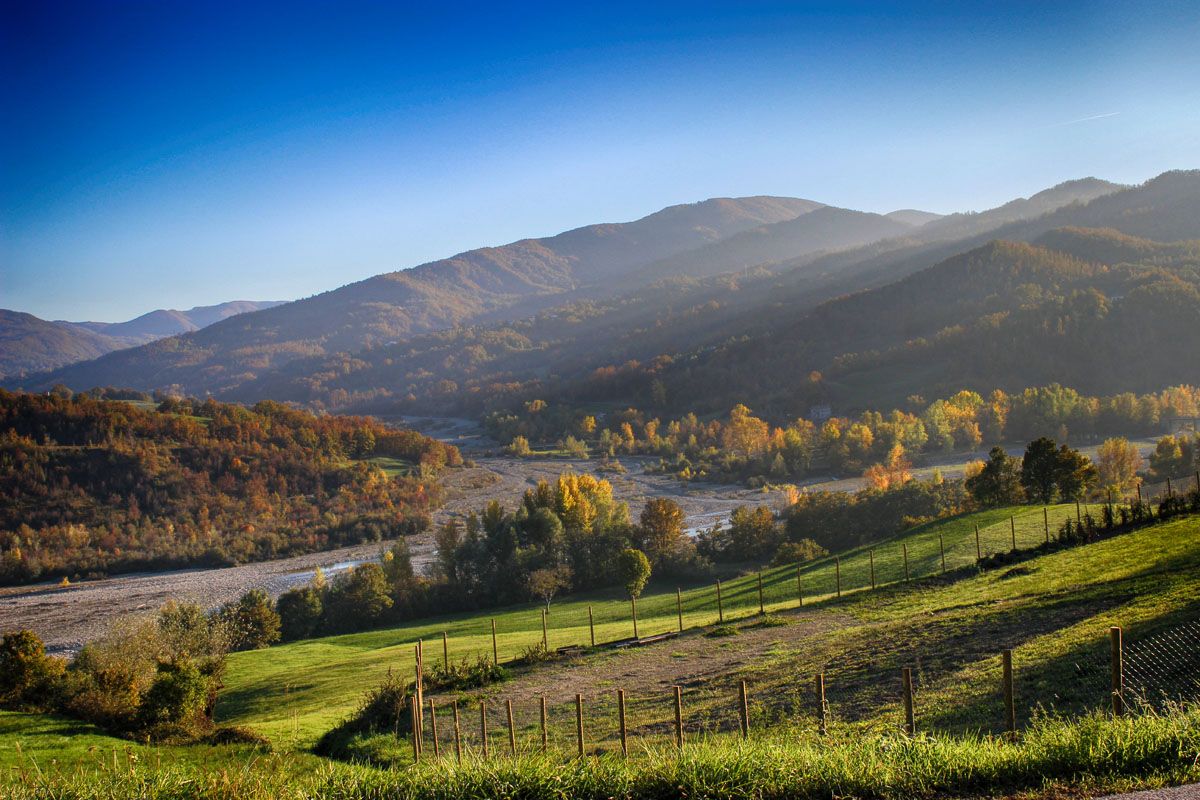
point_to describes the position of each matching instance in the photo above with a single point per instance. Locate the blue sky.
(170, 154)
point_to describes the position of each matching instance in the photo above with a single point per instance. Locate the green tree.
(1075, 473)
(546, 582)
(999, 482)
(299, 613)
(251, 621)
(1040, 469)
(358, 599)
(753, 534)
(634, 569)
(1173, 457)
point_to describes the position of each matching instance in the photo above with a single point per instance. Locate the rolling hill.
(29, 344)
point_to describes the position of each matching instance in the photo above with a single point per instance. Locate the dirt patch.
(690, 660)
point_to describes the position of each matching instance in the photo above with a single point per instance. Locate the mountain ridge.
(29, 344)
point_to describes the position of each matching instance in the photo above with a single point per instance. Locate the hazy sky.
(171, 154)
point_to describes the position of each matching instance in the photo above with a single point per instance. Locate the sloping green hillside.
(1044, 607)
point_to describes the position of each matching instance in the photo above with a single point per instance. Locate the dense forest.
(93, 486)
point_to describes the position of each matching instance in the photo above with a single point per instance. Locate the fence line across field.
(612, 730)
(871, 568)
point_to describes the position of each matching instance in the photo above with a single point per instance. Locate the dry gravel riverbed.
(67, 617)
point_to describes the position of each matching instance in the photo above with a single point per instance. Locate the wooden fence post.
(413, 713)
(445, 651)
(579, 723)
(621, 720)
(1198, 480)
(1139, 492)
(1118, 671)
(978, 546)
(591, 627)
(545, 634)
(904, 546)
(679, 717)
(633, 606)
(745, 711)
(1046, 523)
(1078, 516)
(910, 721)
(1012, 526)
(720, 607)
(437, 753)
(483, 731)
(1170, 493)
(761, 607)
(419, 696)
(495, 649)
(822, 720)
(942, 550)
(871, 553)
(799, 586)
(1010, 707)
(457, 735)
(545, 733)
(512, 729)
(837, 572)
(679, 608)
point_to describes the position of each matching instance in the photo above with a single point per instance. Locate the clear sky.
(171, 154)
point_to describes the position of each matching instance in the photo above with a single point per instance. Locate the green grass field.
(295, 692)
(1052, 609)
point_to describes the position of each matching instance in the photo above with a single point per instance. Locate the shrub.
(464, 675)
(722, 630)
(798, 552)
(28, 677)
(251, 622)
(176, 700)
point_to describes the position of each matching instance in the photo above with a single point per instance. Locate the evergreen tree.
(999, 482)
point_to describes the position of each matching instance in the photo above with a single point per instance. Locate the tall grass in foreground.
(1093, 751)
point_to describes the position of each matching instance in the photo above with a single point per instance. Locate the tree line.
(878, 445)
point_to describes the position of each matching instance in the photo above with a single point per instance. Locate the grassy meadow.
(1051, 607)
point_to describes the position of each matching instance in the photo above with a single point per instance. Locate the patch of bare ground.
(707, 668)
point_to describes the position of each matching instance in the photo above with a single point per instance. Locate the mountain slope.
(825, 229)
(520, 277)
(169, 322)
(912, 216)
(29, 344)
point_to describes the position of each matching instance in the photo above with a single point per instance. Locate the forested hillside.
(1003, 315)
(597, 263)
(515, 279)
(98, 486)
(31, 345)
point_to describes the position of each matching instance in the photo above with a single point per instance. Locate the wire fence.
(609, 623)
(1164, 667)
(1146, 672)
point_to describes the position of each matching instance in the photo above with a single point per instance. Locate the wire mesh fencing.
(1164, 667)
